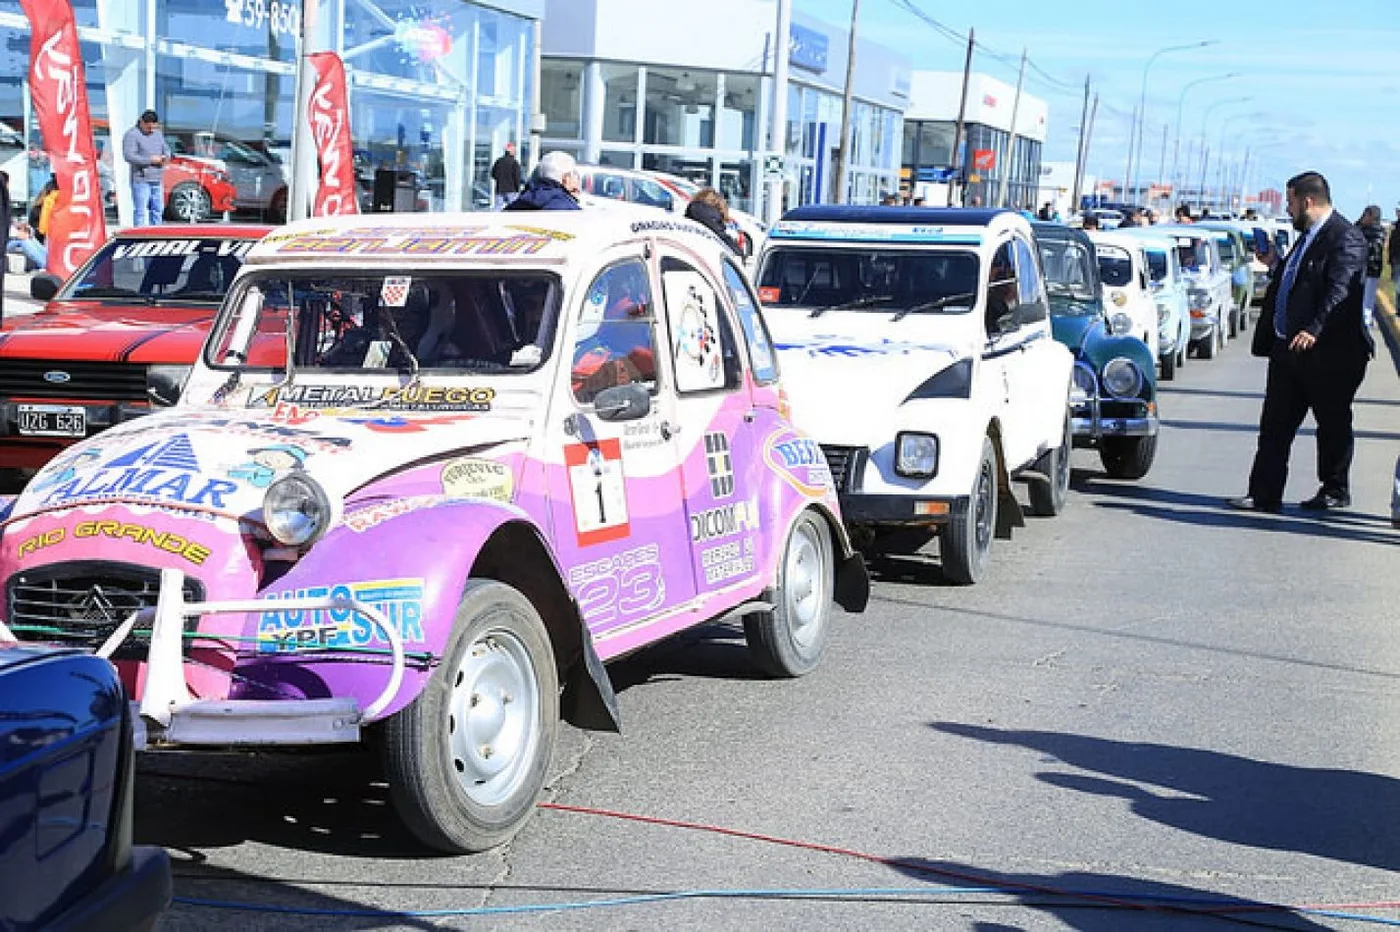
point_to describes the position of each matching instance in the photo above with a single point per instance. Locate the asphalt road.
(1152, 699)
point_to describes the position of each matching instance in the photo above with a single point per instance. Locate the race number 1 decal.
(599, 491)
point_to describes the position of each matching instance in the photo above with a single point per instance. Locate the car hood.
(223, 459)
(1071, 330)
(87, 330)
(841, 379)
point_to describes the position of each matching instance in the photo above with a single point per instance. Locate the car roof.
(537, 237)
(894, 225)
(199, 231)
(922, 216)
(1046, 229)
(1114, 237)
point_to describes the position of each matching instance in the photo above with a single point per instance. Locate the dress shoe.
(1249, 503)
(1326, 501)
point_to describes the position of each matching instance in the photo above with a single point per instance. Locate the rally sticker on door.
(599, 491)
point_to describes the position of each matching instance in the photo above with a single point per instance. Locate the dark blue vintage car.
(1114, 399)
(66, 788)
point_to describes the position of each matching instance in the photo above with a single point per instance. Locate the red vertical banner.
(58, 85)
(329, 114)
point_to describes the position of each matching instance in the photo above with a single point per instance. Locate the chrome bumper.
(169, 715)
(1087, 422)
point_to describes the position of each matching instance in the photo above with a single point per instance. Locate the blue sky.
(1322, 78)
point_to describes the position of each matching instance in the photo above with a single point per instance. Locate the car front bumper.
(1096, 418)
(132, 899)
(899, 510)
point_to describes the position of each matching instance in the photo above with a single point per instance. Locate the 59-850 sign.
(275, 16)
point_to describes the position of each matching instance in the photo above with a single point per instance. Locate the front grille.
(101, 381)
(81, 605)
(846, 464)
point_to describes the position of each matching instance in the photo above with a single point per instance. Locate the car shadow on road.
(1098, 902)
(1342, 815)
(333, 802)
(1257, 396)
(1253, 428)
(711, 651)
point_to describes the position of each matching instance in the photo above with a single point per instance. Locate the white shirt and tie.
(1290, 274)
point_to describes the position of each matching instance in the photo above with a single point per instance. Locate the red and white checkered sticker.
(394, 293)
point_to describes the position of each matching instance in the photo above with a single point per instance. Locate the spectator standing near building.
(1371, 227)
(505, 173)
(554, 185)
(709, 209)
(1183, 214)
(144, 149)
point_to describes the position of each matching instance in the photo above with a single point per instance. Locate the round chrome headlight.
(297, 510)
(1120, 324)
(1122, 377)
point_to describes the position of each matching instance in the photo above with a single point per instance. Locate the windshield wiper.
(414, 376)
(107, 292)
(867, 301)
(196, 296)
(933, 305)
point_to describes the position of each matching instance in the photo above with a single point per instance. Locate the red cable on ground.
(917, 867)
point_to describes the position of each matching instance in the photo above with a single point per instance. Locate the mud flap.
(1009, 513)
(852, 584)
(588, 701)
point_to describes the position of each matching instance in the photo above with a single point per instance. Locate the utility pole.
(1011, 144)
(777, 133)
(1162, 165)
(1201, 189)
(959, 163)
(843, 151)
(1079, 152)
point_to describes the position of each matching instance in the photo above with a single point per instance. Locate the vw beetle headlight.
(1086, 386)
(916, 455)
(1122, 377)
(1120, 324)
(297, 510)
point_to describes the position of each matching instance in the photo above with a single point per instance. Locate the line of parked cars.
(418, 478)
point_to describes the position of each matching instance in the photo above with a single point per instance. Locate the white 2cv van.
(916, 349)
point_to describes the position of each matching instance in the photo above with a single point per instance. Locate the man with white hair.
(553, 186)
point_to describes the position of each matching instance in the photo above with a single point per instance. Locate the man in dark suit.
(1317, 347)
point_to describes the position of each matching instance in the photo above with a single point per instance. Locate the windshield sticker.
(166, 470)
(141, 249)
(400, 601)
(599, 491)
(632, 582)
(391, 241)
(798, 461)
(840, 346)
(394, 292)
(875, 232)
(470, 477)
(348, 399)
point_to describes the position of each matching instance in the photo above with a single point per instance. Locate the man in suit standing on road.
(1312, 334)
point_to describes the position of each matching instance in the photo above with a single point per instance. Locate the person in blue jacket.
(553, 186)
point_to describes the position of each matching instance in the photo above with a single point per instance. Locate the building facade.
(631, 83)
(434, 88)
(991, 162)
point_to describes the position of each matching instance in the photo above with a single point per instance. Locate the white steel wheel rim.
(804, 584)
(493, 717)
(984, 503)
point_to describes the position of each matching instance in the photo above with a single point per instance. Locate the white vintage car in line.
(1127, 286)
(916, 348)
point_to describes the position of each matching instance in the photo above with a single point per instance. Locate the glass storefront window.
(561, 98)
(680, 108)
(615, 157)
(739, 113)
(620, 103)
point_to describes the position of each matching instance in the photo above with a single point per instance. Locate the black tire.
(188, 203)
(789, 641)
(1127, 457)
(1048, 498)
(1205, 349)
(1234, 322)
(965, 544)
(1183, 353)
(496, 685)
(1169, 366)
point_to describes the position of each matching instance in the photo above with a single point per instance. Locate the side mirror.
(44, 286)
(622, 403)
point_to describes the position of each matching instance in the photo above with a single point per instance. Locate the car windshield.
(453, 322)
(1069, 272)
(175, 270)
(1227, 248)
(881, 281)
(1115, 266)
(1157, 264)
(1194, 254)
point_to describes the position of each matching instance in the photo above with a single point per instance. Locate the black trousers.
(1315, 380)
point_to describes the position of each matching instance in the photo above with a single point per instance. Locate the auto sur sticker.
(399, 600)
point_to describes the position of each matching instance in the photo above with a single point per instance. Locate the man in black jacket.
(1317, 347)
(505, 172)
(1392, 255)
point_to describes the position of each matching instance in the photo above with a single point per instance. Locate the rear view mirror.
(622, 403)
(44, 286)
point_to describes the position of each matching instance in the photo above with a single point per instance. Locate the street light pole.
(1141, 121)
(843, 151)
(1205, 120)
(1176, 131)
(777, 133)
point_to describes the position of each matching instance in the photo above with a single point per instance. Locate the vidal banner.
(59, 88)
(330, 127)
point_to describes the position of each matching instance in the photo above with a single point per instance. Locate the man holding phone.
(1311, 332)
(144, 149)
